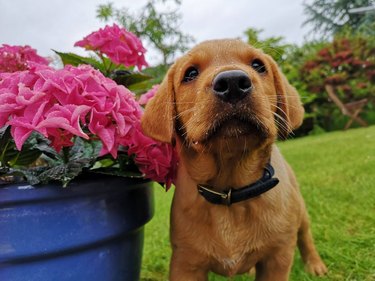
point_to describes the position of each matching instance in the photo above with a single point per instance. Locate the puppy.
(237, 204)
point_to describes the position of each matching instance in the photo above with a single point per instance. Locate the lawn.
(336, 172)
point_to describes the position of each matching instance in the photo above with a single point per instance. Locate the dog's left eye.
(190, 74)
(259, 66)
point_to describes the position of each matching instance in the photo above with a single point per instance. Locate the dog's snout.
(231, 85)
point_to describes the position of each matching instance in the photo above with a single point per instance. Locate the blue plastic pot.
(92, 230)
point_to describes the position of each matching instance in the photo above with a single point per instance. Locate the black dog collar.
(231, 195)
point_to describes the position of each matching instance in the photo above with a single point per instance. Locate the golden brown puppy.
(224, 104)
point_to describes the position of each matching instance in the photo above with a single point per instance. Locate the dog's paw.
(316, 267)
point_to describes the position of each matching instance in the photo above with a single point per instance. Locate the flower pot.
(92, 230)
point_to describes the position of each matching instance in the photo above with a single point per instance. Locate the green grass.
(336, 172)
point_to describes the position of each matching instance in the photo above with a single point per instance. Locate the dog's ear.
(289, 111)
(158, 118)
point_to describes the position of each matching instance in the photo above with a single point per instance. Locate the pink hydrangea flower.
(17, 58)
(156, 160)
(120, 45)
(143, 100)
(82, 102)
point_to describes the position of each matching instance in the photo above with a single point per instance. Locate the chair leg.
(349, 123)
(355, 117)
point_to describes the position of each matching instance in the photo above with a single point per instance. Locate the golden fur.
(260, 232)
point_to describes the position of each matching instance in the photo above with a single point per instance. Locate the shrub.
(348, 63)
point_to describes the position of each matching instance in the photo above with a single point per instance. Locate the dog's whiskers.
(283, 125)
(276, 101)
(180, 114)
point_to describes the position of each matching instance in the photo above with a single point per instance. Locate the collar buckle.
(225, 196)
(228, 197)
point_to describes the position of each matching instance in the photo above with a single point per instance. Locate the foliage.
(273, 46)
(348, 63)
(58, 123)
(330, 17)
(155, 74)
(160, 28)
(295, 57)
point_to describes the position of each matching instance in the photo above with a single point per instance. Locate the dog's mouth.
(236, 126)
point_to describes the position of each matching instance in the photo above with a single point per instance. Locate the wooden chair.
(351, 109)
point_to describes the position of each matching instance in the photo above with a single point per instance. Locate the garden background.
(335, 168)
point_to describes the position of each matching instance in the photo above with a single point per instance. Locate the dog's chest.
(236, 244)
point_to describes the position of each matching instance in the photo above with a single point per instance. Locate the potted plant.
(75, 167)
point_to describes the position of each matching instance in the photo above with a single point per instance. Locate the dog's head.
(223, 90)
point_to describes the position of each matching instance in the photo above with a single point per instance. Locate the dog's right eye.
(190, 74)
(259, 66)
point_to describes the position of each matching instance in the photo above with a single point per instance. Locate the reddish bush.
(347, 63)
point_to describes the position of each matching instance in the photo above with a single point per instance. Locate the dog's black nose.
(232, 85)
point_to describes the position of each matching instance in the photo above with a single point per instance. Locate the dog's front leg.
(275, 267)
(182, 267)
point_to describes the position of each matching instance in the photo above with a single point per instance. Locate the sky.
(58, 24)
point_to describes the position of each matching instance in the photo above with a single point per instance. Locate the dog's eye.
(259, 66)
(190, 74)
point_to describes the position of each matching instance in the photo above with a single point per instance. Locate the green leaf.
(103, 163)
(141, 87)
(47, 150)
(24, 157)
(77, 158)
(128, 78)
(64, 172)
(4, 135)
(33, 148)
(10, 156)
(5, 144)
(84, 149)
(75, 60)
(30, 174)
(5, 138)
(70, 58)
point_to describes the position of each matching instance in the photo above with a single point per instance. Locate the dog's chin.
(236, 129)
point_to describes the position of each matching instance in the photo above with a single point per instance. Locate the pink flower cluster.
(17, 58)
(156, 160)
(120, 45)
(80, 101)
(143, 100)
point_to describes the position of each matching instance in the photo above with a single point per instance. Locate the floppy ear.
(289, 110)
(158, 119)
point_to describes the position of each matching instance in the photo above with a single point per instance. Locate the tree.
(273, 46)
(329, 17)
(160, 28)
